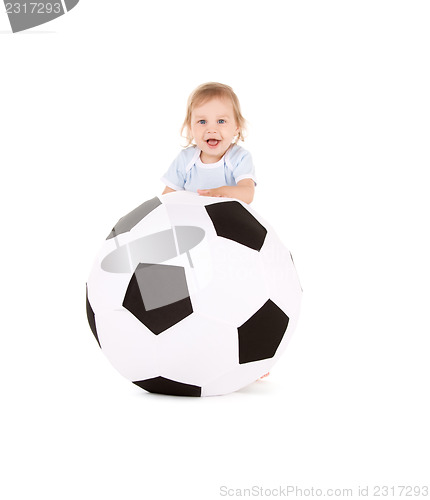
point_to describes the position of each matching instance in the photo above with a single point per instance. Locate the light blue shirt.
(187, 172)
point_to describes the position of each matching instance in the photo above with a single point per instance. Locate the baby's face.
(213, 127)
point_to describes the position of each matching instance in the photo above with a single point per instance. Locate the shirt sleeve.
(174, 178)
(243, 168)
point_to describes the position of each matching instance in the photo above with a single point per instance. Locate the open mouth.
(213, 143)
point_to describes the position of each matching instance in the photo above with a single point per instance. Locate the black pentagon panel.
(161, 385)
(92, 319)
(127, 222)
(260, 336)
(157, 295)
(233, 221)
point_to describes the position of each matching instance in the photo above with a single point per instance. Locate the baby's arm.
(244, 191)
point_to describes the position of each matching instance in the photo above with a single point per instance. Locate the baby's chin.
(212, 156)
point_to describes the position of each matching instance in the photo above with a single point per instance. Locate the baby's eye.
(221, 120)
(202, 122)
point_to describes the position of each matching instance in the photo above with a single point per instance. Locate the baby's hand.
(210, 192)
(244, 191)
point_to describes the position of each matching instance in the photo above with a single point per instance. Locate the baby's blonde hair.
(204, 93)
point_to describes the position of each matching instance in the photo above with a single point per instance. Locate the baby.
(213, 165)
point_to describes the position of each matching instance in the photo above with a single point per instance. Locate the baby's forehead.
(214, 104)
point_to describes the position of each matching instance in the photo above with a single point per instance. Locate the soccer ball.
(192, 295)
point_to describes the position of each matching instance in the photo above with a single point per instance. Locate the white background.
(337, 98)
